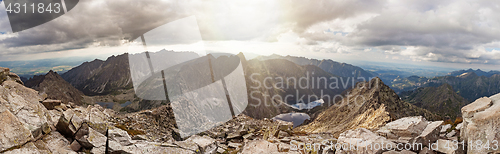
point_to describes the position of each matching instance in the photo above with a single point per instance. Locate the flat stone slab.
(407, 127)
(477, 106)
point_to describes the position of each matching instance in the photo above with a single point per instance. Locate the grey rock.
(28, 148)
(50, 104)
(24, 104)
(446, 146)
(407, 127)
(57, 144)
(451, 134)
(364, 138)
(206, 144)
(481, 123)
(93, 139)
(119, 136)
(75, 146)
(259, 146)
(445, 128)
(430, 133)
(12, 131)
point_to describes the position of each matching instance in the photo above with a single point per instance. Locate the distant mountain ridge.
(442, 100)
(101, 77)
(477, 72)
(330, 66)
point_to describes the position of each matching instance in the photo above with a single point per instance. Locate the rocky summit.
(370, 105)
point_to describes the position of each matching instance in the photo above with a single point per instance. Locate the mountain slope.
(442, 100)
(330, 66)
(269, 82)
(469, 85)
(55, 87)
(101, 77)
(370, 105)
(104, 77)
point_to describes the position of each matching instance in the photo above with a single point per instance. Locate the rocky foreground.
(31, 123)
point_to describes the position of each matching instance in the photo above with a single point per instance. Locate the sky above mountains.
(460, 34)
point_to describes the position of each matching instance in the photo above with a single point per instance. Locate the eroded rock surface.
(482, 124)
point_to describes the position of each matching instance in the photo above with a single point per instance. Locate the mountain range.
(442, 100)
(330, 66)
(477, 72)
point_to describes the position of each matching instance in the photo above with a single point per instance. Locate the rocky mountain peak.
(55, 87)
(370, 105)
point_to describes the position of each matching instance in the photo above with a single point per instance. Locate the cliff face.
(55, 87)
(369, 105)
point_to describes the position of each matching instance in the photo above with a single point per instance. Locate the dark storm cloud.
(444, 31)
(105, 23)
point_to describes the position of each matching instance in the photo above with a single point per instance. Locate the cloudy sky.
(458, 33)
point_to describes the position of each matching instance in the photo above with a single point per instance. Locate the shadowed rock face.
(56, 88)
(369, 105)
(101, 77)
(269, 82)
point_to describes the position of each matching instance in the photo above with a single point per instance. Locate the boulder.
(64, 125)
(98, 150)
(482, 124)
(56, 143)
(28, 148)
(25, 104)
(97, 119)
(54, 115)
(259, 146)
(445, 128)
(430, 133)
(364, 140)
(50, 104)
(75, 146)
(93, 139)
(12, 131)
(406, 127)
(120, 136)
(206, 144)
